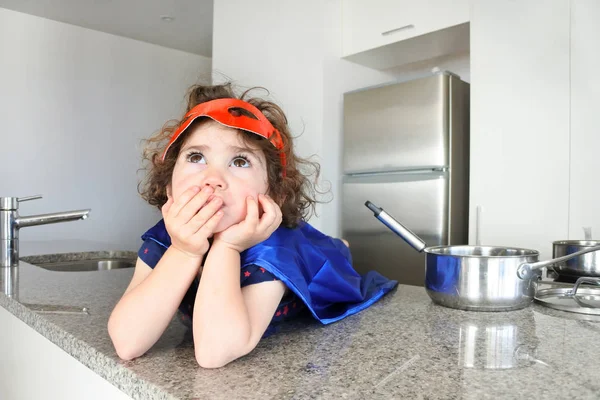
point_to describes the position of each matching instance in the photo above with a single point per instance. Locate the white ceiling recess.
(179, 24)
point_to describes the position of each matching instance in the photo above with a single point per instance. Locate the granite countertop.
(404, 346)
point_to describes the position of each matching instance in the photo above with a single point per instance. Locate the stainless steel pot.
(584, 265)
(478, 278)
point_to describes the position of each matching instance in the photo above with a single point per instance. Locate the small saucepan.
(478, 278)
(584, 265)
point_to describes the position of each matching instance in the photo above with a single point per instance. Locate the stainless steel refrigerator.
(406, 149)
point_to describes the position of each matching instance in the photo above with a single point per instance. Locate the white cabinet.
(585, 119)
(32, 367)
(520, 122)
(374, 23)
(376, 32)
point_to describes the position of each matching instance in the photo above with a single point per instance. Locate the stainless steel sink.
(84, 262)
(88, 265)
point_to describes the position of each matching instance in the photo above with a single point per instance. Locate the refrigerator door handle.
(399, 172)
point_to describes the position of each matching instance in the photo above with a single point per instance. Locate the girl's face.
(216, 156)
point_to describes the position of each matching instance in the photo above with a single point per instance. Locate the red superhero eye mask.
(236, 114)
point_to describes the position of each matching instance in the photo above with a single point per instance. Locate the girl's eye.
(240, 162)
(196, 158)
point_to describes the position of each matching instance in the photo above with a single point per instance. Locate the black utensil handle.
(376, 210)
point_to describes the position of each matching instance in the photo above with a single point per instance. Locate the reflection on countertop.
(402, 347)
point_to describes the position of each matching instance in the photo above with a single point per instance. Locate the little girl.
(233, 251)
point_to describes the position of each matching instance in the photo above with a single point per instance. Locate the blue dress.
(315, 267)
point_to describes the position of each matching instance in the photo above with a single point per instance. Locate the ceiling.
(190, 30)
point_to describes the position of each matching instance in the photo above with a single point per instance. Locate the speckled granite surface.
(402, 347)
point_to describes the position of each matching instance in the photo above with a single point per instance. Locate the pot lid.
(583, 300)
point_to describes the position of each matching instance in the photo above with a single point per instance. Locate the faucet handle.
(12, 203)
(37, 196)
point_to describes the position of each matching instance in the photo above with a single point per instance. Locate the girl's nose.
(214, 178)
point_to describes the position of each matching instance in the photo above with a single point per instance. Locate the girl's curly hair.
(294, 192)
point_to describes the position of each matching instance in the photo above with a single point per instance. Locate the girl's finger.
(251, 211)
(167, 206)
(269, 212)
(196, 203)
(208, 228)
(278, 214)
(183, 200)
(204, 215)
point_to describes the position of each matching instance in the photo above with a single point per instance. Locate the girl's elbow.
(212, 356)
(125, 350)
(207, 361)
(209, 358)
(123, 347)
(126, 354)
(217, 356)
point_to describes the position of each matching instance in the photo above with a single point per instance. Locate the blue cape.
(316, 267)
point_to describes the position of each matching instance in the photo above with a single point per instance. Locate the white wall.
(520, 122)
(294, 50)
(282, 54)
(74, 105)
(585, 129)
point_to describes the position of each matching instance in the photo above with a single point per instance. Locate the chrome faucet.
(11, 222)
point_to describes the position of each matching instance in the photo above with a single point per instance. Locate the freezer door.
(396, 127)
(418, 201)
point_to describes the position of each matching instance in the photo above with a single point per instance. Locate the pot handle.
(409, 237)
(526, 270)
(583, 279)
(573, 292)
